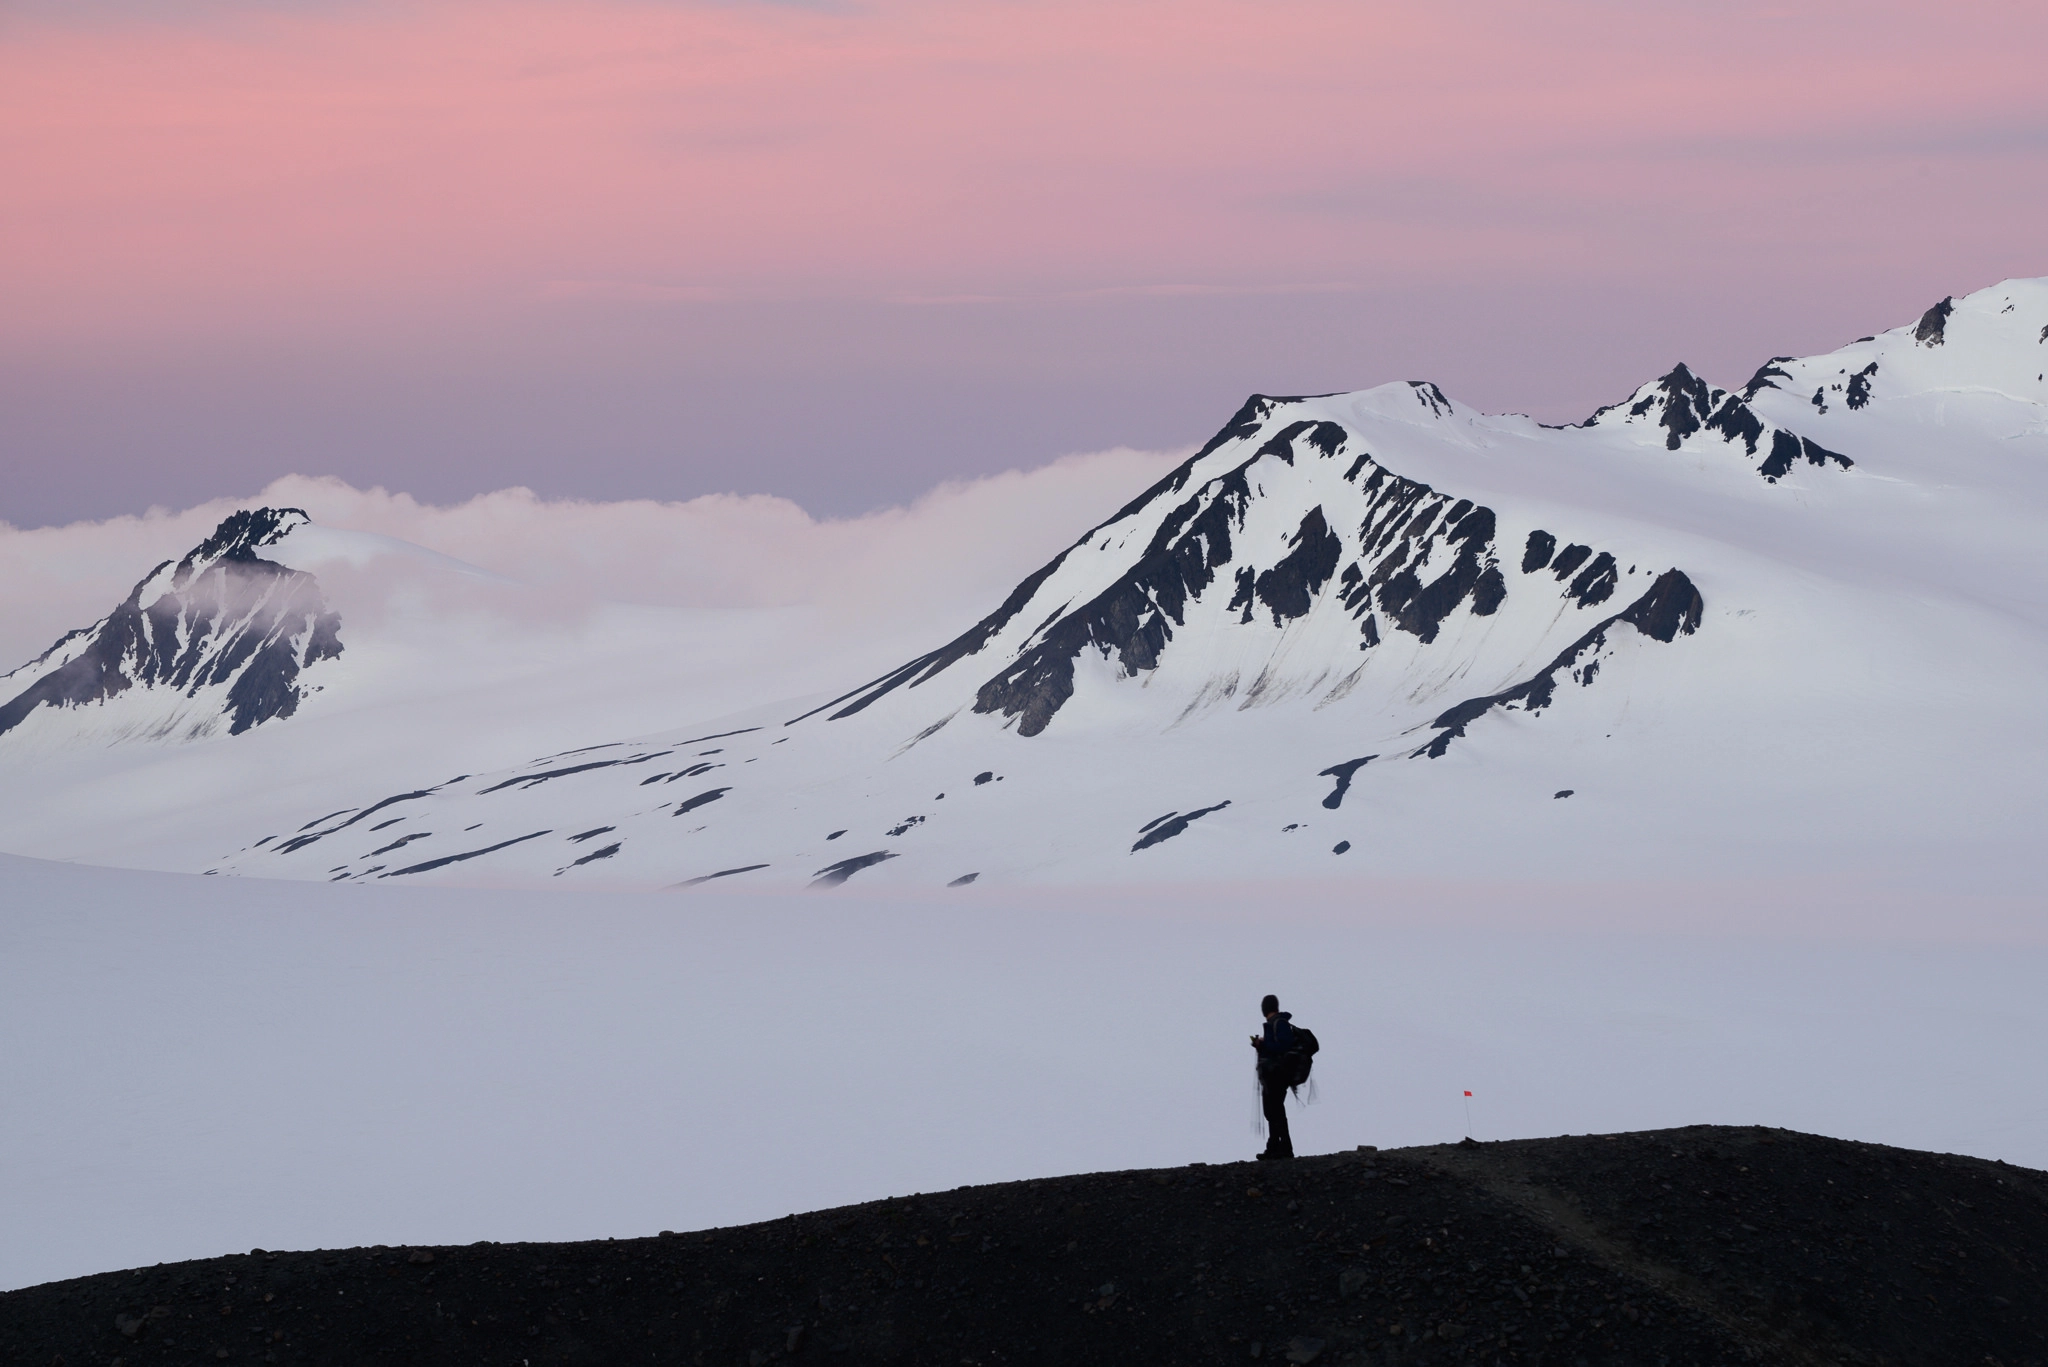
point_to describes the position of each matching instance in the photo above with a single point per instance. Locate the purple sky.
(842, 252)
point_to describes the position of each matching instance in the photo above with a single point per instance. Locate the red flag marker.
(1468, 1094)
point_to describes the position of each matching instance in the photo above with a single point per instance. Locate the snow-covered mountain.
(1795, 627)
(223, 639)
(1385, 626)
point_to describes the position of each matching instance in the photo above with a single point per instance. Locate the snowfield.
(205, 1065)
(1366, 636)
(1685, 765)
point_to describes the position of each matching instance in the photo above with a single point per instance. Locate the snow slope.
(1705, 626)
(198, 1066)
(1368, 636)
(215, 641)
(444, 667)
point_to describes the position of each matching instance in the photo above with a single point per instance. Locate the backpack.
(1302, 1056)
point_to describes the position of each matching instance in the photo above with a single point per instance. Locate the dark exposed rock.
(1859, 386)
(1564, 792)
(1672, 607)
(1933, 326)
(1736, 421)
(524, 781)
(1171, 825)
(963, 880)
(832, 875)
(1342, 773)
(1683, 402)
(1766, 377)
(1684, 405)
(1326, 437)
(1569, 559)
(1340, 847)
(590, 834)
(1418, 557)
(1133, 619)
(1245, 423)
(1290, 587)
(1786, 448)
(303, 839)
(691, 804)
(605, 853)
(1403, 528)
(1596, 582)
(1669, 607)
(448, 859)
(722, 873)
(985, 776)
(222, 616)
(1430, 397)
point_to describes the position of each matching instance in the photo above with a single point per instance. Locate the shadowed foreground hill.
(1693, 1246)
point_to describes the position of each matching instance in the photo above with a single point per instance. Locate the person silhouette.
(1273, 1045)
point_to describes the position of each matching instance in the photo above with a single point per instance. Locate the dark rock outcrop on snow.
(221, 617)
(832, 875)
(1669, 608)
(1166, 827)
(1342, 773)
(1417, 557)
(1932, 329)
(1693, 1247)
(1686, 406)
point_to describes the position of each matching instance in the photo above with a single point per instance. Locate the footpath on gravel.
(1704, 1245)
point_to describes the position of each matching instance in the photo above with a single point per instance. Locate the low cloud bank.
(945, 559)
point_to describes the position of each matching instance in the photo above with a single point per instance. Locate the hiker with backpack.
(1285, 1051)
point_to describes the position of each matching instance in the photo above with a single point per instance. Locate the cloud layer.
(932, 566)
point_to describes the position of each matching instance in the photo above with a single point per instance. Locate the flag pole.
(1468, 1115)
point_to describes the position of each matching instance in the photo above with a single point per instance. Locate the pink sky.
(671, 248)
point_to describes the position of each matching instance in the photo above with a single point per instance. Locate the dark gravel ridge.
(1704, 1245)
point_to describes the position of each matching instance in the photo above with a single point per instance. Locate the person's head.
(1270, 1007)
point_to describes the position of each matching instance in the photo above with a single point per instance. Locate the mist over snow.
(201, 1066)
(1792, 628)
(1681, 765)
(942, 554)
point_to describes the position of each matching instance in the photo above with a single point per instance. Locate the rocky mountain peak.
(241, 533)
(218, 637)
(1692, 413)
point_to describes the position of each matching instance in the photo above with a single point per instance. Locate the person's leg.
(1273, 1099)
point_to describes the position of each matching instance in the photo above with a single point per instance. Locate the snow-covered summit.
(217, 639)
(1374, 634)
(1690, 414)
(1285, 561)
(1990, 344)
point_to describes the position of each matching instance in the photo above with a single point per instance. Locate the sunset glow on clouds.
(482, 178)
